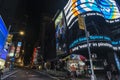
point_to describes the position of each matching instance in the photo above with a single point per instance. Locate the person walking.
(73, 72)
(108, 71)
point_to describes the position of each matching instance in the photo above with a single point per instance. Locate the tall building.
(47, 39)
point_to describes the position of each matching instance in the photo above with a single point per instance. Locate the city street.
(33, 74)
(25, 74)
(60, 40)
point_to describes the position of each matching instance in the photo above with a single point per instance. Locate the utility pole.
(89, 52)
(9, 29)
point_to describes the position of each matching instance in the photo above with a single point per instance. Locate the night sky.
(28, 15)
(33, 12)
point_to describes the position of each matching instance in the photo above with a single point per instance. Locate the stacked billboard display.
(67, 19)
(75, 14)
(108, 9)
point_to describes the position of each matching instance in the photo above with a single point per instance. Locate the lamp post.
(89, 52)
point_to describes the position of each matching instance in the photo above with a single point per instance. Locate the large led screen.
(105, 8)
(3, 33)
(109, 9)
(94, 42)
(60, 30)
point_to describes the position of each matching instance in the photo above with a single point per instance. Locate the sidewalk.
(57, 73)
(7, 73)
(60, 75)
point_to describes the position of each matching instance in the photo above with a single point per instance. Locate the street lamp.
(88, 46)
(22, 33)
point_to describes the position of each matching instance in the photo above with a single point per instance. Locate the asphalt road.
(25, 74)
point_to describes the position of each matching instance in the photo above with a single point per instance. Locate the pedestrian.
(73, 71)
(108, 71)
(114, 72)
(86, 71)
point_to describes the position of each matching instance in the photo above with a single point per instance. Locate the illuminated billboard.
(60, 29)
(3, 34)
(110, 10)
(18, 49)
(12, 51)
(105, 8)
(3, 54)
(94, 42)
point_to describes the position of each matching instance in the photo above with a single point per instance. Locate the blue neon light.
(3, 28)
(3, 33)
(3, 54)
(80, 40)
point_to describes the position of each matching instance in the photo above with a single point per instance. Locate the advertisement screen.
(104, 8)
(94, 42)
(60, 30)
(3, 33)
(109, 9)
